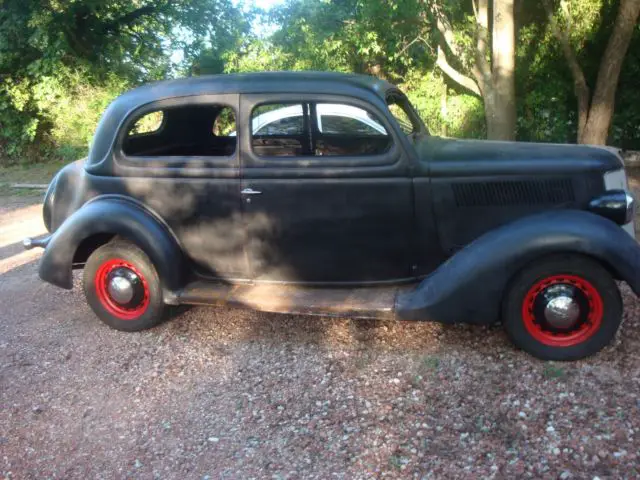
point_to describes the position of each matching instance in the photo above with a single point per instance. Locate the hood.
(492, 157)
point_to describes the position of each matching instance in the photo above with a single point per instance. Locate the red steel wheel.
(562, 307)
(122, 289)
(562, 310)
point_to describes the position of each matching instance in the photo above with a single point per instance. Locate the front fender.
(120, 217)
(469, 287)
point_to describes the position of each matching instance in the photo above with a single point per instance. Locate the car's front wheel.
(123, 288)
(565, 307)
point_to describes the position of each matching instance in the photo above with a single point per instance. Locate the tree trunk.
(493, 81)
(598, 122)
(501, 122)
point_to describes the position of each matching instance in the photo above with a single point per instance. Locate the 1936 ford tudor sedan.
(324, 193)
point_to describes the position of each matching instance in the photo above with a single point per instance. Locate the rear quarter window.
(184, 131)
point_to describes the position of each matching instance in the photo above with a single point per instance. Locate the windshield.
(404, 113)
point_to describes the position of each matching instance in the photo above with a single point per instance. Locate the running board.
(375, 302)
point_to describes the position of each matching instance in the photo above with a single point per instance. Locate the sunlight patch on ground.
(20, 223)
(19, 259)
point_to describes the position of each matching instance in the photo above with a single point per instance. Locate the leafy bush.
(445, 112)
(58, 112)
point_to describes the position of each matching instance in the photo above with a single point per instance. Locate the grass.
(6, 190)
(553, 371)
(35, 173)
(39, 173)
(430, 363)
(427, 366)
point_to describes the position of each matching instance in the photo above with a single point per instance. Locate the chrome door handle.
(250, 191)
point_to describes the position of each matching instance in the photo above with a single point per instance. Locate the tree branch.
(131, 17)
(581, 88)
(444, 27)
(453, 74)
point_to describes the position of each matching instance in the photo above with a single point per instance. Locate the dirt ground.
(226, 393)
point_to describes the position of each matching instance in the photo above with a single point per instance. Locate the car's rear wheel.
(565, 307)
(123, 288)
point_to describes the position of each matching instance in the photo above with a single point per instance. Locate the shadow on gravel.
(8, 251)
(238, 326)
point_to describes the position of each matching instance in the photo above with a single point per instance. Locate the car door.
(324, 207)
(186, 170)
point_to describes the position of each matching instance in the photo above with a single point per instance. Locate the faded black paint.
(390, 218)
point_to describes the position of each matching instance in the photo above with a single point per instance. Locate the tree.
(595, 112)
(62, 61)
(492, 80)
(377, 37)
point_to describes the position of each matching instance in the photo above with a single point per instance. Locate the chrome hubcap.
(562, 311)
(120, 289)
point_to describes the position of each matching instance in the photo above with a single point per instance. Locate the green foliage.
(625, 131)
(389, 39)
(444, 112)
(551, 371)
(381, 37)
(63, 61)
(148, 123)
(547, 106)
(546, 103)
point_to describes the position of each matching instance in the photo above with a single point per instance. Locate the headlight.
(616, 205)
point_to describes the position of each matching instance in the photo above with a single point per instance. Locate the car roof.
(261, 82)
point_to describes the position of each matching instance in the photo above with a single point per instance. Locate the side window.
(349, 131)
(190, 130)
(278, 119)
(317, 129)
(278, 130)
(347, 120)
(337, 124)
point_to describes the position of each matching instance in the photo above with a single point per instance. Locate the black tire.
(594, 287)
(146, 309)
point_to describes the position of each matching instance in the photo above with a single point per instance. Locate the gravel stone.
(290, 396)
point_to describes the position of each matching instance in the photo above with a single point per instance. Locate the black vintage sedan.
(324, 193)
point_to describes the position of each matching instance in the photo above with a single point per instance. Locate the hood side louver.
(521, 192)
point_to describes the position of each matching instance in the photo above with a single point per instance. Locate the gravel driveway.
(224, 393)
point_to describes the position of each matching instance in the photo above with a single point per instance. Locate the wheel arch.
(89, 245)
(610, 268)
(471, 285)
(102, 220)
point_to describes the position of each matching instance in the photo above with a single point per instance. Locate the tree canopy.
(62, 61)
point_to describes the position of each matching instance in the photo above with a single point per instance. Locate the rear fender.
(469, 287)
(116, 216)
